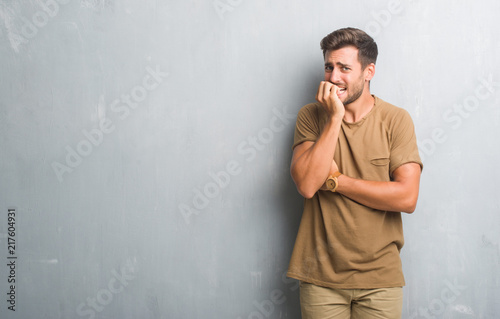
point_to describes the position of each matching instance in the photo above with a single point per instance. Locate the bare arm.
(311, 161)
(399, 195)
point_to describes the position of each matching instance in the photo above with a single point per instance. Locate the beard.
(357, 91)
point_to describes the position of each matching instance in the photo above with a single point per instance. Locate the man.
(356, 162)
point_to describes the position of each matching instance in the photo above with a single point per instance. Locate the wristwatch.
(332, 182)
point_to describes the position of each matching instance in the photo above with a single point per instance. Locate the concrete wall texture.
(145, 151)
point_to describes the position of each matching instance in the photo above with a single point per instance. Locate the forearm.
(395, 196)
(310, 168)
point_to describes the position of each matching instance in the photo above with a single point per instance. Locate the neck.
(359, 108)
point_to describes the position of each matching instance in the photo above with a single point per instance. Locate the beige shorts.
(324, 303)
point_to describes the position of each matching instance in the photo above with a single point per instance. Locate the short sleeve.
(307, 125)
(404, 147)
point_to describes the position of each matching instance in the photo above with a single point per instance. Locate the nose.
(334, 76)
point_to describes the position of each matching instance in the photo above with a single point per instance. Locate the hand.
(334, 168)
(328, 98)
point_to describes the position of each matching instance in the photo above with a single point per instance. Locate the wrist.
(335, 121)
(332, 182)
(341, 184)
(337, 114)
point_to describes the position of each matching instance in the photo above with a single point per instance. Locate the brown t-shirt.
(341, 243)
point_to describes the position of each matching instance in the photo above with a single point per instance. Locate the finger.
(334, 94)
(327, 90)
(334, 90)
(321, 91)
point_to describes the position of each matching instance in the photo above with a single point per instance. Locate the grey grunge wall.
(145, 150)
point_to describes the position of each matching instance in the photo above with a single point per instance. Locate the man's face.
(343, 69)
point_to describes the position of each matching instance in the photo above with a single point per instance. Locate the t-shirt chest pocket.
(380, 161)
(377, 164)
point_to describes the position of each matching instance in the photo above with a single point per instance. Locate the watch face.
(330, 183)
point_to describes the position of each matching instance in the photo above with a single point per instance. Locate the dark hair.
(350, 36)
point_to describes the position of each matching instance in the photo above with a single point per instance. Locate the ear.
(369, 72)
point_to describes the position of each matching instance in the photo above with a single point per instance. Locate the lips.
(341, 91)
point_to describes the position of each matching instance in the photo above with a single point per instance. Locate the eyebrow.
(340, 64)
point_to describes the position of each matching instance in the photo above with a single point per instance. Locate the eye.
(345, 68)
(328, 68)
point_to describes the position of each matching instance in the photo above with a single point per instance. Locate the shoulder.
(311, 110)
(312, 113)
(308, 125)
(391, 114)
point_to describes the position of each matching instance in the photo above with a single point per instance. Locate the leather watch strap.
(336, 174)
